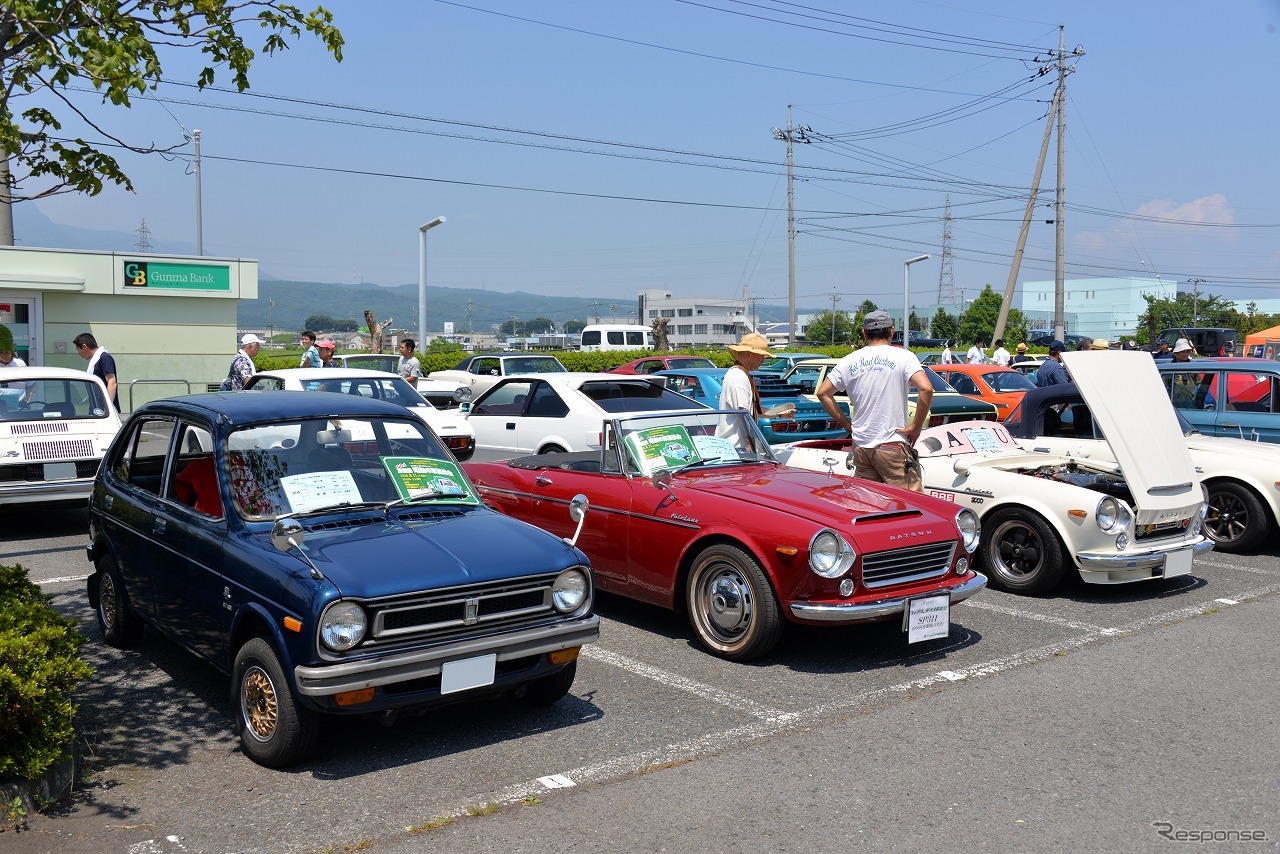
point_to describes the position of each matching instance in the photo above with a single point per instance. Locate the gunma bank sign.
(176, 277)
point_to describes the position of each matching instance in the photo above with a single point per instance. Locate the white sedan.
(55, 425)
(1134, 517)
(449, 425)
(554, 413)
(481, 372)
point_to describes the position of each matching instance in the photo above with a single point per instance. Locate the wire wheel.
(258, 704)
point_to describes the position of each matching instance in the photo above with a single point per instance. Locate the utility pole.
(1059, 265)
(271, 320)
(834, 299)
(1195, 300)
(791, 135)
(195, 135)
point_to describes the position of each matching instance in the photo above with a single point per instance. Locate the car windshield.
(52, 400)
(1008, 381)
(389, 388)
(939, 384)
(674, 442)
(313, 465)
(371, 362)
(613, 396)
(691, 362)
(534, 365)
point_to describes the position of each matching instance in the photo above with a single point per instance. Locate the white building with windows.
(696, 321)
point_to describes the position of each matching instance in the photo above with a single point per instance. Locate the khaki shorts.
(890, 463)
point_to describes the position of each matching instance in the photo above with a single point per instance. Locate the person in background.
(1084, 344)
(975, 356)
(1163, 353)
(1051, 371)
(876, 378)
(242, 366)
(947, 357)
(409, 367)
(1099, 344)
(1182, 350)
(310, 356)
(738, 389)
(1020, 354)
(326, 348)
(1001, 355)
(101, 364)
(9, 359)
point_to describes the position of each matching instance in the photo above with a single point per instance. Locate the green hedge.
(39, 669)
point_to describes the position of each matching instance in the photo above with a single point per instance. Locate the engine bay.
(1073, 473)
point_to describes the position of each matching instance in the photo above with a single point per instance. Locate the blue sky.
(579, 147)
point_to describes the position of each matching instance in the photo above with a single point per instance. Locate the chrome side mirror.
(577, 512)
(661, 479)
(287, 534)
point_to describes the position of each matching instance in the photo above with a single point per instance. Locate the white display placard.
(928, 617)
(320, 489)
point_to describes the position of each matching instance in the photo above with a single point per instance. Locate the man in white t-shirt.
(409, 367)
(947, 357)
(1001, 355)
(975, 356)
(876, 379)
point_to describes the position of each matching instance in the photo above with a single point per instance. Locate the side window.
(1250, 392)
(635, 339)
(615, 338)
(505, 399)
(268, 383)
(962, 383)
(1190, 390)
(648, 366)
(193, 480)
(546, 403)
(141, 461)
(486, 367)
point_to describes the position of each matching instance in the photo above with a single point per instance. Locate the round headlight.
(829, 554)
(570, 590)
(462, 393)
(967, 522)
(1112, 515)
(343, 626)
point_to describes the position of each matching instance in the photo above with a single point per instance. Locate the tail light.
(786, 426)
(937, 420)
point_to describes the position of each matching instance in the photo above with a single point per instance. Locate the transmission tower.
(946, 270)
(144, 238)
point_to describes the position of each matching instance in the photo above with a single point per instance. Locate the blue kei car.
(328, 553)
(810, 420)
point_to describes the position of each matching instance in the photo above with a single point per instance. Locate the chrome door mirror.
(578, 513)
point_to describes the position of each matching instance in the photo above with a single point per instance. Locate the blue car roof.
(248, 407)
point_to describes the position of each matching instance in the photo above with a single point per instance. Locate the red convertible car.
(691, 511)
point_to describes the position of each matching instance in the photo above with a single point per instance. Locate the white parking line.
(1040, 618)
(63, 580)
(1237, 567)
(707, 692)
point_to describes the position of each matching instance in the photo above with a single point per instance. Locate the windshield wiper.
(695, 463)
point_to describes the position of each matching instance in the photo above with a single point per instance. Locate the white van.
(616, 336)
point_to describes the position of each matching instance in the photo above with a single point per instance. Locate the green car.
(948, 404)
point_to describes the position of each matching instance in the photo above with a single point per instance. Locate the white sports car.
(55, 425)
(449, 425)
(1044, 514)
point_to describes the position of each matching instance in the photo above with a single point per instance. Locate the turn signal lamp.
(293, 624)
(353, 698)
(563, 656)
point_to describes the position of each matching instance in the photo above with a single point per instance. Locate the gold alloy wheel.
(259, 705)
(107, 599)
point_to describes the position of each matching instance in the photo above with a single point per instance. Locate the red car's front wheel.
(731, 605)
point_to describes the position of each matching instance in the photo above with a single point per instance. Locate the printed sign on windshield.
(665, 447)
(421, 479)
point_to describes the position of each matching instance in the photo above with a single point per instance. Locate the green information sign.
(669, 446)
(155, 276)
(422, 479)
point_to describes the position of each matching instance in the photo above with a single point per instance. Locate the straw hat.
(1100, 344)
(752, 342)
(1022, 348)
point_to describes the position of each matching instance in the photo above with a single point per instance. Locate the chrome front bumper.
(1114, 561)
(328, 679)
(868, 611)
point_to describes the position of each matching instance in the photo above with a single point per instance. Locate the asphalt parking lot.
(650, 713)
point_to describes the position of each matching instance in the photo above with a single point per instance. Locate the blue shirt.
(1050, 373)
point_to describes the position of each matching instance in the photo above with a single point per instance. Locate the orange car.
(1003, 387)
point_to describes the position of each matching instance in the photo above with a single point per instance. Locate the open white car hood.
(1128, 401)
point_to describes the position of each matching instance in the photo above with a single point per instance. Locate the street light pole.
(906, 298)
(422, 279)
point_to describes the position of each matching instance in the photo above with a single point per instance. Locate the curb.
(39, 793)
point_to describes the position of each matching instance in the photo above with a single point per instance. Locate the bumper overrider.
(327, 679)
(862, 612)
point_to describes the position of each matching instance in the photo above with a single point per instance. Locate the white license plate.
(927, 618)
(1177, 563)
(59, 471)
(468, 673)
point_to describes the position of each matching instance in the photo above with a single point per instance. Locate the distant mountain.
(33, 228)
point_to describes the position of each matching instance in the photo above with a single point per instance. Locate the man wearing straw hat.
(739, 390)
(876, 379)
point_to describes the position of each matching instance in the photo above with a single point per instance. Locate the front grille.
(34, 472)
(461, 609)
(1164, 529)
(911, 563)
(57, 449)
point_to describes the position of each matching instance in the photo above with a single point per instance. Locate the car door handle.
(158, 527)
(511, 425)
(542, 480)
(1229, 424)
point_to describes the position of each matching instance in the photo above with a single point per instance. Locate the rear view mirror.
(577, 512)
(333, 437)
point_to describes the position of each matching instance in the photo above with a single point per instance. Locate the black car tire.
(546, 690)
(551, 449)
(1236, 520)
(731, 606)
(274, 730)
(1020, 552)
(120, 627)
